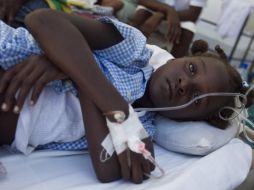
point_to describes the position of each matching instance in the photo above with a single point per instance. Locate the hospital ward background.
(190, 155)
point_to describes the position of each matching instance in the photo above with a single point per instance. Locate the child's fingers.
(23, 92)
(136, 168)
(10, 94)
(13, 79)
(25, 88)
(125, 170)
(146, 166)
(9, 75)
(6, 78)
(40, 84)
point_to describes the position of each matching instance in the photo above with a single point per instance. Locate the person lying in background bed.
(171, 18)
(105, 64)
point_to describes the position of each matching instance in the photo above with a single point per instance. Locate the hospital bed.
(223, 169)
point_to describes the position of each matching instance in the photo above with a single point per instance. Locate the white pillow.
(192, 137)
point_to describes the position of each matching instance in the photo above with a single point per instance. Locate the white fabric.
(127, 134)
(234, 13)
(159, 56)
(2, 170)
(223, 169)
(184, 4)
(54, 118)
(192, 137)
(188, 25)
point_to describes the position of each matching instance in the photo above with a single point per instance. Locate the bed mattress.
(223, 169)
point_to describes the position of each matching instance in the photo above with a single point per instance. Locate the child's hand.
(174, 28)
(127, 138)
(134, 166)
(33, 73)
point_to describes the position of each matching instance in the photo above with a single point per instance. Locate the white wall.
(212, 10)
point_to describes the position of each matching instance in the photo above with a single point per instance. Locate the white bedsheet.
(223, 169)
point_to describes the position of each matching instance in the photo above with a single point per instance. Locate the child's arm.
(67, 41)
(115, 167)
(96, 131)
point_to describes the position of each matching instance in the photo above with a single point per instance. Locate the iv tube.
(244, 96)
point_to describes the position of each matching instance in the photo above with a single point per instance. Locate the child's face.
(180, 80)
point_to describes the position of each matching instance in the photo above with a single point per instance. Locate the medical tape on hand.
(128, 134)
(125, 135)
(137, 146)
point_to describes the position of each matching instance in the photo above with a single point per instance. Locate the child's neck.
(144, 101)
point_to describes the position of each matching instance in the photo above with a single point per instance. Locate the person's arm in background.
(170, 14)
(156, 6)
(9, 9)
(190, 14)
(115, 4)
(173, 17)
(68, 41)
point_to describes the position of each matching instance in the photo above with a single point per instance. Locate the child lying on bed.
(107, 62)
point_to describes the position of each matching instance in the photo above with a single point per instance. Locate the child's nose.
(183, 86)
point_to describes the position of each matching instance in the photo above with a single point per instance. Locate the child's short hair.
(200, 48)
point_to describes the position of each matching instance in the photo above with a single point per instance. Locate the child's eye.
(196, 102)
(192, 69)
